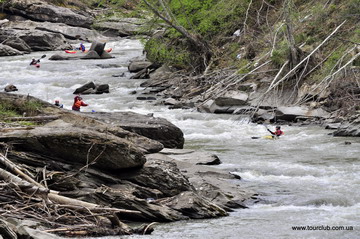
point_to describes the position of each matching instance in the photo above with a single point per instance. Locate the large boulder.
(92, 88)
(122, 27)
(154, 128)
(163, 176)
(10, 88)
(18, 44)
(69, 32)
(209, 182)
(38, 40)
(41, 11)
(8, 51)
(77, 146)
(194, 206)
(232, 98)
(136, 66)
(350, 128)
(291, 113)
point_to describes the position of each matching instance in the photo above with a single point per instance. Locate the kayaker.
(34, 61)
(78, 103)
(57, 103)
(82, 47)
(277, 132)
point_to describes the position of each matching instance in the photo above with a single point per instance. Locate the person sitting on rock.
(277, 132)
(78, 103)
(57, 103)
(82, 47)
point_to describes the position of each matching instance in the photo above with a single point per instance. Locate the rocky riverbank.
(107, 163)
(220, 93)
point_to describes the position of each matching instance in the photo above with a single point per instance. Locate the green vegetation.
(158, 51)
(16, 109)
(7, 110)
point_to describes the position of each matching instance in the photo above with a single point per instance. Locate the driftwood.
(302, 61)
(34, 118)
(26, 198)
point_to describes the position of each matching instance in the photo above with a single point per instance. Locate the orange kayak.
(76, 51)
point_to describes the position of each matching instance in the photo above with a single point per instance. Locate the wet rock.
(349, 128)
(122, 196)
(18, 44)
(6, 50)
(163, 176)
(106, 66)
(58, 57)
(194, 206)
(91, 55)
(101, 89)
(97, 51)
(191, 156)
(333, 126)
(92, 88)
(216, 185)
(10, 88)
(87, 86)
(154, 128)
(39, 40)
(119, 75)
(136, 66)
(145, 98)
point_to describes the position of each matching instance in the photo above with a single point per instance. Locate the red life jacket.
(278, 132)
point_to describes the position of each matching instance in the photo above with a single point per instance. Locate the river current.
(306, 179)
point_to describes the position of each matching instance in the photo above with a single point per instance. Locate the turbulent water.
(306, 179)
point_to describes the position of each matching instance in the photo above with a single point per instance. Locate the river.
(307, 178)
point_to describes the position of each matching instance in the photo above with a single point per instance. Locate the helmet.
(277, 127)
(56, 101)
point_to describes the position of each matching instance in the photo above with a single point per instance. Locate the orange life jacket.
(77, 104)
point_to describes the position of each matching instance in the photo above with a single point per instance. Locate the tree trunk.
(200, 45)
(294, 59)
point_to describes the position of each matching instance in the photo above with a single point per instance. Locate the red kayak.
(76, 51)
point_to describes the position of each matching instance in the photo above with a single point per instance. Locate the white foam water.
(306, 178)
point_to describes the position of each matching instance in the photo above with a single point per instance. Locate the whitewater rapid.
(307, 178)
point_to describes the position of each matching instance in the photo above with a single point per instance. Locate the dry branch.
(305, 59)
(34, 118)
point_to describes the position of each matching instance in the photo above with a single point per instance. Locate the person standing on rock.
(277, 133)
(78, 103)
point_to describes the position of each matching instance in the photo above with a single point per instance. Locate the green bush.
(160, 52)
(280, 54)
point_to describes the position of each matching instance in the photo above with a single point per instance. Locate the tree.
(161, 9)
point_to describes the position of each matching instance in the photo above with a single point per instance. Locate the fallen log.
(34, 187)
(34, 118)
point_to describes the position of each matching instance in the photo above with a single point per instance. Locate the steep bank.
(277, 66)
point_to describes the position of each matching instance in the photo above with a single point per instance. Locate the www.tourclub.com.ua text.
(322, 228)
